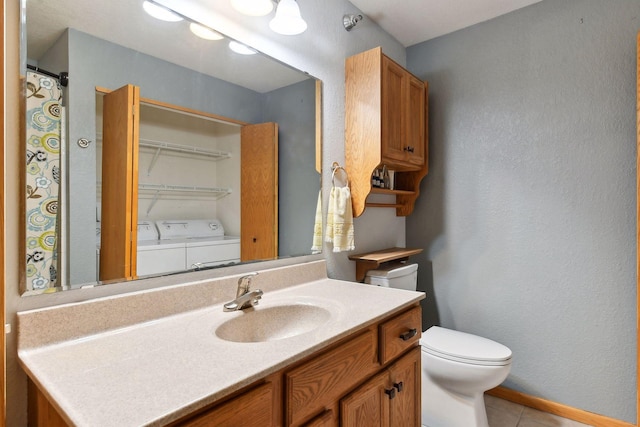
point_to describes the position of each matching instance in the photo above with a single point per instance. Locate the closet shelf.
(169, 146)
(182, 189)
(159, 146)
(156, 191)
(189, 149)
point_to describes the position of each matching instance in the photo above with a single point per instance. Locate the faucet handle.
(244, 283)
(247, 277)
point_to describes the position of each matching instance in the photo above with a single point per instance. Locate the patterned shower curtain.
(44, 99)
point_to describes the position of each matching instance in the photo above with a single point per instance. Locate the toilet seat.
(463, 347)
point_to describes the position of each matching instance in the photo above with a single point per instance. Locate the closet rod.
(63, 77)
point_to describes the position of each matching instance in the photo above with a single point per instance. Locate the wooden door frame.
(3, 363)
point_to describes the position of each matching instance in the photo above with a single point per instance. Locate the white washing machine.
(156, 256)
(204, 240)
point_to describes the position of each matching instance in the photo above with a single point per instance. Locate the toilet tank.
(394, 275)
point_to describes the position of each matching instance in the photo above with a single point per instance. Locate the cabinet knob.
(409, 334)
(399, 386)
(409, 149)
(391, 392)
(255, 239)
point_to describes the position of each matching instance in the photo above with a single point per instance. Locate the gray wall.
(528, 212)
(294, 109)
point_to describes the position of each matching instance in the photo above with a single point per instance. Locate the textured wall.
(294, 109)
(528, 213)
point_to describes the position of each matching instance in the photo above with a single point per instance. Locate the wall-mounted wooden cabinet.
(386, 110)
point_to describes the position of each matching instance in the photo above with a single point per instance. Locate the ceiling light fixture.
(160, 12)
(204, 32)
(253, 7)
(288, 20)
(350, 21)
(240, 48)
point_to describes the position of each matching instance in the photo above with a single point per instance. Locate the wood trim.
(363, 77)
(559, 409)
(173, 107)
(3, 362)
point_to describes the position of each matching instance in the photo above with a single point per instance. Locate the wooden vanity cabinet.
(258, 407)
(371, 378)
(388, 399)
(346, 384)
(386, 123)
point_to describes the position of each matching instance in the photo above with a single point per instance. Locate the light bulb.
(240, 48)
(204, 32)
(288, 20)
(160, 12)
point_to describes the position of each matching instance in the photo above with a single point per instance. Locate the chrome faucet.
(245, 297)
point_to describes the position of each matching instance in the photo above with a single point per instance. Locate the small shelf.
(372, 260)
(387, 191)
(382, 205)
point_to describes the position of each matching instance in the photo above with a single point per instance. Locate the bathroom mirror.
(108, 45)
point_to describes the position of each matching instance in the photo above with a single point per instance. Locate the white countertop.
(156, 371)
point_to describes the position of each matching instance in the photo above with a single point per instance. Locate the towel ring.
(335, 167)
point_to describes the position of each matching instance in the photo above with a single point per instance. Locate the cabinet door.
(393, 111)
(369, 405)
(415, 123)
(118, 246)
(321, 382)
(405, 377)
(259, 192)
(254, 408)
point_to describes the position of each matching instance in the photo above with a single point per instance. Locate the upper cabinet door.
(118, 243)
(259, 192)
(403, 118)
(415, 121)
(394, 80)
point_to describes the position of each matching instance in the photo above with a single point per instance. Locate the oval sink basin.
(273, 323)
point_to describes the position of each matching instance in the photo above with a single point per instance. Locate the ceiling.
(415, 21)
(124, 23)
(118, 22)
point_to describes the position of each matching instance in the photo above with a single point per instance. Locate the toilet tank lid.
(463, 345)
(393, 270)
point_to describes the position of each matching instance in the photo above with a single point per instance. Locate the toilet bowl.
(457, 368)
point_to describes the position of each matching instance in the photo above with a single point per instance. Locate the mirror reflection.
(165, 152)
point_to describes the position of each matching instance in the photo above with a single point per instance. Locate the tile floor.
(502, 413)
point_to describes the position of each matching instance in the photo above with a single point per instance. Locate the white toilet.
(457, 368)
